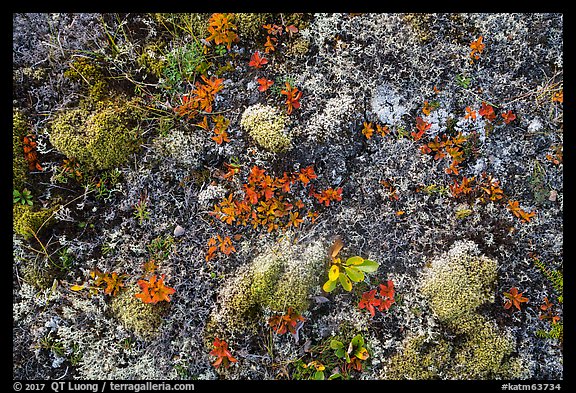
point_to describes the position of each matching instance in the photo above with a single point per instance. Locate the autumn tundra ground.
(287, 196)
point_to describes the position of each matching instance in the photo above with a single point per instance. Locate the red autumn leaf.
(292, 97)
(269, 45)
(285, 323)
(514, 298)
(508, 117)
(292, 29)
(307, 174)
(256, 61)
(154, 291)
(387, 289)
(487, 112)
(329, 195)
(477, 47)
(264, 84)
(369, 301)
(224, 356)
(470, 114)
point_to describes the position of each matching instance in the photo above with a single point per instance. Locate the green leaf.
(368, 266)
(333, 273)
(358, 341)
(354, 274)
(334, 376)
(329, 286)
(341, 353)
(318, 376)
(345, 281)
(335, 344)
(356, 260)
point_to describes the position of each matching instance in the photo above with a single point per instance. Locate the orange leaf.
(256, 61)
(264, 84)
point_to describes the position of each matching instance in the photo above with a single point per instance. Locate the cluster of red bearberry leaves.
(286, 322)
(30, 153)
(267, 201)
(487, 189)
(257, 61)
(382, 300)
(222, 353)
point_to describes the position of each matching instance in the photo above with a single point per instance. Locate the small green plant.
(346, 272)
(220, 50)
(24, 197)
(353, 354)
(50, 343)
(554, 276)
(184, 63)
(463, 81)
(160, 247)
(141, 211)
(313, 370)
(105, 185)
(65, 259)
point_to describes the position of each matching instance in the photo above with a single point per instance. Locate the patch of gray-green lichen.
(266, 126)
(140, 318)
(458, 283)
(282, 276)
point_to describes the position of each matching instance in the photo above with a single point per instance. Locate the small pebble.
(553, 195)
(179, 231)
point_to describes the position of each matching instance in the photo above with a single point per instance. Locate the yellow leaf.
(77, 287)
(333, 273)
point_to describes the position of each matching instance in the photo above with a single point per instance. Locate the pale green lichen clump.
(457, 284)
(101, 139)
(142, 319)
(266, 126)
(283, 276)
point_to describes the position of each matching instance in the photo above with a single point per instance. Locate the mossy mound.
(457, 284)
(26, 220)
(87, 70)
(283, 276)
(142, 319)
(266, 126)
(250, 25)
(19, 164)
(100, 139)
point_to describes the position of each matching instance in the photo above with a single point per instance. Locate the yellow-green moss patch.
(26, 220)
(100, 139)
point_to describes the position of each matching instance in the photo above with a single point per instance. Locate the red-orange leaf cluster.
(453, 146)
(514, 207)
(154, 291)
(487, 111)
(292, 96)
(422, 126)
(222, 244)
(328, 195)
(267, 201)
(371, 302)
(201, 98)
(224, 356)
(476, 47)
(222, 30)
(514, 298)
(508, 117)
(30, 153)
(368, 130)
(264, 84)
(548, 314)
(257, 61)
(286, 322)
